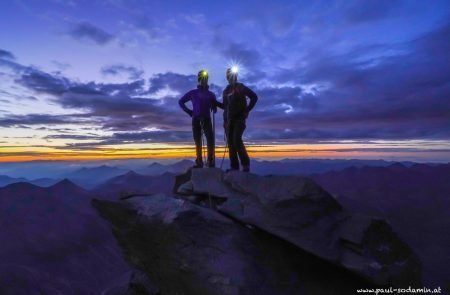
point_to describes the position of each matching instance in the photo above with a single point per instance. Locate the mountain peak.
(66, 184)
(155, 164)
(131, 173)
(22, 185)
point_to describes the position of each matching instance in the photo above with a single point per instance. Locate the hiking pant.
(199, 125)
(234, 130)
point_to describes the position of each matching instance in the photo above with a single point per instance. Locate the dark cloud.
(177, 82)
(369, 10)
(121, 112)
(149, 28)
(74, 137)
(117, 69)
(378, 91)
(400, 95)
(6, 55)
(12, 65)
(88, 31)
(27, 153)
(39, 119)
(254, 76)
(113, 106)
(157, 136)
(246, 56)
(42, 82)
(16, 97)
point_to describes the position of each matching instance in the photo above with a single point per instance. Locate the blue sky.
(106, 75)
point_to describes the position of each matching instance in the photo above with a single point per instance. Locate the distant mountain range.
(156, 168)
(133, 183)
(90, 177)
(93, 176)
(44, 182)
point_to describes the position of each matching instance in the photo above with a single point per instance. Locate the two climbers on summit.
(236, 110)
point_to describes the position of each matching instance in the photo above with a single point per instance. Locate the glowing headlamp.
(234, 69)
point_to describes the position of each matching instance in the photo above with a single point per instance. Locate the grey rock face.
(239, 233)
(297, 210)
(186, 249)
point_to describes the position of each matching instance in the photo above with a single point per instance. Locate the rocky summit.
(240, 233)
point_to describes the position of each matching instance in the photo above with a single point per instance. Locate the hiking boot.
(198, 164)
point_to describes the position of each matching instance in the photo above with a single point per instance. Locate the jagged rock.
(239, 233)
(182, 179)
(181, 248)
(297, 210)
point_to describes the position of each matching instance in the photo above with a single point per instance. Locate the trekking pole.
(225, 149)
(214, 136)
(202, 127)
(225, 135)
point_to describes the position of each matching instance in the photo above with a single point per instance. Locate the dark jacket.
(203, 101)
(235, 101)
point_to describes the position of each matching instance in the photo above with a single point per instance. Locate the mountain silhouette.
(156, 168)
(89, 177)
(5, 180)
(52, 241)
(414, 199)
(135, 183)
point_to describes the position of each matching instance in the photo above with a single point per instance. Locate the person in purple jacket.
(203, 102)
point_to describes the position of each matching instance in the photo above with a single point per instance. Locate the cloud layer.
(318, 73)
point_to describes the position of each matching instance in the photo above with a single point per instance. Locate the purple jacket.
(203, 101)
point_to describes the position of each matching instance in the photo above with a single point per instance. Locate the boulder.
(176, 247)
(238, 233)
(299, 211)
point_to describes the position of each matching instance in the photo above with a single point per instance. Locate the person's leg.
(234, 161)
(207, 128)
(240, 147)
(197, 132)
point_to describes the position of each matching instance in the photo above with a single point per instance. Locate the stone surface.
(297, 210)
(179, 248)
(239, 233)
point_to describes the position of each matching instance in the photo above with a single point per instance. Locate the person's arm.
(224, 102)
(252, 96)
(182, 102)
(218, 103)
(224, 105)
(214, 102)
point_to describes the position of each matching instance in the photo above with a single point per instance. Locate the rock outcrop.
(238, 233)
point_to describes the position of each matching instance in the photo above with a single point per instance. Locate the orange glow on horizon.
(22, 154)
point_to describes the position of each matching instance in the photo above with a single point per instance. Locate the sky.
(101, 79)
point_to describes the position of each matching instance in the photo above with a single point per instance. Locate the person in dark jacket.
(235, 113)
(203, 102)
